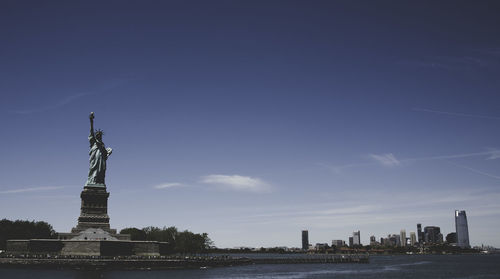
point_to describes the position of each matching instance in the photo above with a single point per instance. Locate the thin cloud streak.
(237, 183)
(475, 170)
(386, 159)
(456, 113)
(493, 153)
(349, 210)
(473, 60)
(69, 99)
(168, 185)
(384, 211)
(337, 169)
(59, 104)
(32, 189)
(390, 160)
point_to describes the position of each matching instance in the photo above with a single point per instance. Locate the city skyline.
(253, 120)
(461, 229)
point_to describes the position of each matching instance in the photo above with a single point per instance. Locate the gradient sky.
(253, 120)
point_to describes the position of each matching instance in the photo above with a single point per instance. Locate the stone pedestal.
(94, 210)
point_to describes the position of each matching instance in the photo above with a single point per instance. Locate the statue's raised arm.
(91, 117)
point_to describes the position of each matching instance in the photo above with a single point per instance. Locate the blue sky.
(253, 120)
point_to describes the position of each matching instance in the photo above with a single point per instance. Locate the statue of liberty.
(98, 156)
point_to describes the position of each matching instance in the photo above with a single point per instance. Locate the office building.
(413, 239)
(420, 234)
(338, 243)
(321, 246)
(351, 241)
(432, 235)
(305, 240)
(402, 235)
(462, 229)
(451, 238)
(396, 239)
(392, 240)
(356, 238)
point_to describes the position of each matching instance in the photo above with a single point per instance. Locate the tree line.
(21, 229)
(184, 242)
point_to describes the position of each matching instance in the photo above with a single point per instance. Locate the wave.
(399, 266)
(309, 274)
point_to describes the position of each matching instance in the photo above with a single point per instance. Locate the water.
(401, 266)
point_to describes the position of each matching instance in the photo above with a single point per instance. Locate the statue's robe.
(98, 156)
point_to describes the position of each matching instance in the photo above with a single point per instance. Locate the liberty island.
(93, 235)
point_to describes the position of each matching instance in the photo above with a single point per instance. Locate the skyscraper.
(419, 233)
(432, 234)
(393, 240)
(305, 240)
(338, 243)
(402, 234)
(451, 238)
(413, 239)
(356, 238)
(462, 229)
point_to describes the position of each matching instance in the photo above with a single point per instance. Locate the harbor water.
(397, 266)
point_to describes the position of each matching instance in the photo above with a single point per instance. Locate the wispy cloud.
(386, 159)
(475, 170)
(385, 209)
(470, 60)
(54, 197)
(71, 98)
(338, 168)
(490, 51)
(494, 154)
(237, 183)
(390, 160)
(433, 64)
(491, 153)
(31, 189)
(168, 185)
(62, 102)
(327, 209)
(456, 113)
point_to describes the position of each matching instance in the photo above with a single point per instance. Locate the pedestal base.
(94, 210)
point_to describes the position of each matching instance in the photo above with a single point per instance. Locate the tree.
(178, 242)
(20, 229)
(135, 233)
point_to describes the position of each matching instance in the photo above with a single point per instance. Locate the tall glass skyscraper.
(462, 229)
(305, 240)
(420, 234)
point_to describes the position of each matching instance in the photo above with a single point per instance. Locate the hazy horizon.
(254, 120)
